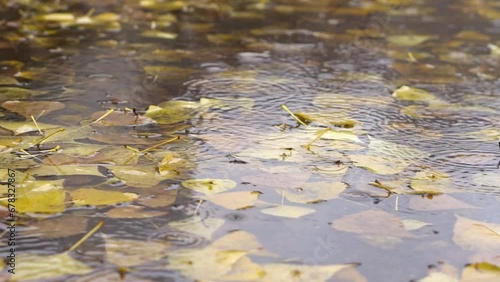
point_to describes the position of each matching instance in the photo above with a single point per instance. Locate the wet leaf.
(209, 186)
(288, 211)
(159, 34)
(343, 135)
(476, 235)
(406, 93)
(39, 197)
(203, 227)
(159, 199)
(235, 200)
(408, 40)
(372, 223)
(136, 176)
(58, 17)
(48, 267)
(380, 164)
(61, 226)
(481, 272)
(413, 224)
(32, 108)
(173, 111)
(380, 147)
(437, 202)
(313, 192)
(90, 196)
(128, 253)
(430, 182)
(488, 179)
(279, 180)
(471, 35)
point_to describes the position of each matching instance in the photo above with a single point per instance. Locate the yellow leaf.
(406, 93)
(173, 111)
(90, 196)
(141, 177)
(159, 34)
(288, 211)
(430, 182)
(408, 40)
(481, 272)
(39, 197)
(379, 164)
(343, 135)
(168, 72)
(48, 267)
(209, 186)
(58, 17)
(235, 200)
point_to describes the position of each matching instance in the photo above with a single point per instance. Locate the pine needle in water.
(84, 238)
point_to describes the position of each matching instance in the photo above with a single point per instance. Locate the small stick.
(48, 136)
(293, 115)
(103, 116)
(36, 124)
(321, 133)
(91, 232)
(396, 208)
(161, 144)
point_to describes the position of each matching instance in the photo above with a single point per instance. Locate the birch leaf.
(209, 186)
(288, 211)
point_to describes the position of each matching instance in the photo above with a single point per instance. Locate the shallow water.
(336, 61)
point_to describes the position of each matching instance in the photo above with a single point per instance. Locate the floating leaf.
(32, 108)
(58, 17)
(476, 235)
(159, 199)
(141, 177)
(406, 93)
(90, 196)
(379, 164)
(48, 267)
(437, 203)
(288, 211)
(430, 182)
(413, 224)
(408, 40)
(173, 111)
(199, 226)
(209, 186)
(481, 272)
(373, 223)
(279, 180)
(235, 200)
(127, 253)
(488, 179)
(39, 197)
(313, 192)
(380, 147)
(159, 34)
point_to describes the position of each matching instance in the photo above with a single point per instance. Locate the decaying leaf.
(48, 267)
(437, 203)
(32, 108)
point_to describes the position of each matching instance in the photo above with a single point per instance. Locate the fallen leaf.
(32, 108)
(430, 182)
(199, 226)
(235, 200)
(408, 40)
(437, 203)
(90, 196)
(58, 227)
(133, 212)
(209, 186)
(39, 197)
(380, 164)
(481, 272)
(48, 267)
(476, 235)
(313, 192)
(379, 147)
(413, 224)
(374, 223)
(406, 93)
(288, 211)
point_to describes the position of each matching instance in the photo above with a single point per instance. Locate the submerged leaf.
(406, 93)
(127, 253)
(313, 192)
(380, 164)
(209, 186)
(32, 108)
(235, 200)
